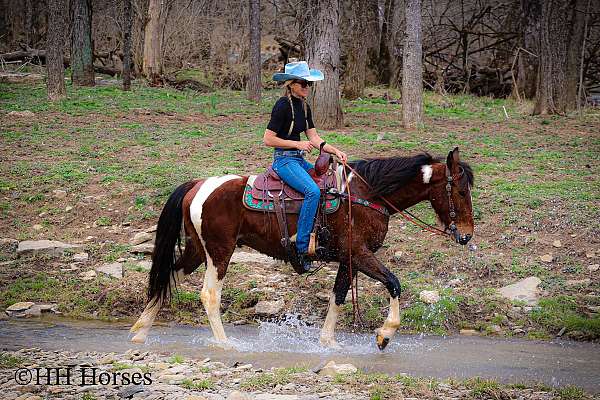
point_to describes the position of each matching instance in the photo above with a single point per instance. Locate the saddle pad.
(330, 205)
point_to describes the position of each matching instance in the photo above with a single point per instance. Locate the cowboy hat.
(298, 70)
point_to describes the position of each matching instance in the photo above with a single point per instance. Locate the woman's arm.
(316, 141)
(270, 139)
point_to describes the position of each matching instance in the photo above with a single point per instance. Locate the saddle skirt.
(261, 189)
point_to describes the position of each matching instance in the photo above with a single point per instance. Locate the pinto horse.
(215, 222)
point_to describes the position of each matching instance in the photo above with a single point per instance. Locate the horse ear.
(453, 158)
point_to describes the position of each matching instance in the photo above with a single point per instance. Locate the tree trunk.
(55, 42)
(322, 40)
(528, 64)
(82, 48)
(152, 64)
(29, 18)
(127, 21)
(560, 46)
(254, 81)
(385, 60)
(412, 67)
(356, 64)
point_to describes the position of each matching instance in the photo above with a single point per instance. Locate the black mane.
(387, 175)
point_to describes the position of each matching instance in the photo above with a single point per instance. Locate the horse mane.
(387, 175)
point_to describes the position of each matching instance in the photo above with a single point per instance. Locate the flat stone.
(468, 332)
(241, 257)
(50, 247)
(524, 290)
(151, 229)
(59, 194)
(141, 237)
(269, 307)
(81, 257)
(68, 208)
(87, 275)
(22, 306)
(171, 379)
(236, 395)
(578, 282)
(37, 227)
(495, 328)
(593, 267)
(145, 265)
(332, 369)
(271, 396)
(429, 296)
(145, 248)
(19, 114)
(547, 258)
(557, 243)
(113, 269)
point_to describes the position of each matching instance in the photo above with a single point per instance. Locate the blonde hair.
(287, 92)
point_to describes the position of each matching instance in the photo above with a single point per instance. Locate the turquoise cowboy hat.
(298, 70)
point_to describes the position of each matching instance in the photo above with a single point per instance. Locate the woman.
(290, 117)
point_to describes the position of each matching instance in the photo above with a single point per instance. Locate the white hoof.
(330, 343)
(140, 338)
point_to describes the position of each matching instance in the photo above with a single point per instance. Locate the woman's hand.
(305, 145)
(341, 155)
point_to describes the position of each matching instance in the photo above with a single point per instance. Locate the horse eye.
(462, 193)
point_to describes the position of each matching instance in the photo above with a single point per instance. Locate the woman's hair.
(287, 92)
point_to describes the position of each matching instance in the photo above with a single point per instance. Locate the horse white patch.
(209, 186)
(328, 331)
(427, 171)
(344, 181)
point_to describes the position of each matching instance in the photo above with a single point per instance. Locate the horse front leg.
(373, 268)
(338, 297)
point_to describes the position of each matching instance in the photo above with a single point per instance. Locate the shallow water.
(291, 343)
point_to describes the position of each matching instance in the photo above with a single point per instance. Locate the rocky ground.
(144, 375)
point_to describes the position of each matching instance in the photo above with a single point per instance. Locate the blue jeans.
(293, 170)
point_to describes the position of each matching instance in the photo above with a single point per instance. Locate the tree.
(412, 67)
(356, 64)
(152, 64)
(530, 38)
(127, 21)
(385, 59)
(254, 81)
(561, 37)
(55, 42)
(82, 48)
(322, 41)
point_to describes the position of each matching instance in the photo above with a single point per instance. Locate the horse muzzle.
(461, 239)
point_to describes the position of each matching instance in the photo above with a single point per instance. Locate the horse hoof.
(382, 342)
(330, 344)
(139, 338)
(223, 345)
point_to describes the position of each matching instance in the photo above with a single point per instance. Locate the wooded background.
(548, 50)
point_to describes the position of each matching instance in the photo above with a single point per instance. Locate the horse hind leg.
(189, 261)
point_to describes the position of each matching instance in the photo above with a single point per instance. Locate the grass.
(203, 384)
(554, 313)
(176, 359)
(10, 361)
(267, 380)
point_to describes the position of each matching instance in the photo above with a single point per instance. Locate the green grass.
(10, 361)
(266, 380)
(554, 313)
(176, 359)
(203, 384)
(431, 317)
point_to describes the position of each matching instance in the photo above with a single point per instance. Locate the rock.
(236, 395)
(151, 229)
(495, 328)
(129, 391)
(81, 257)
(593, 267)
(518, 331)
(332, 369)
(22, 306)
(21, 114)
(195, 397)
(141, 237)
(270, 396)
(33, 311)
(37, 227)
(241, 257)
(594, 309)
(429, 296)
(68, 208)
(557, 243)
(59, 194)
(578, 282)
(590, 254)
(113, 269)
(145, 248)
(171, 379)
(145, 265)
(50, 247)
(269, 307)
(324, 296)
(547, 258)
(454, 282)
(524, 290)
(398, 256)
(87, 275)
(469, 332)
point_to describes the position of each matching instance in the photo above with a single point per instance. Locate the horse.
(215, 222)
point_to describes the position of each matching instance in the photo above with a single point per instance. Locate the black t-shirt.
(281, 118)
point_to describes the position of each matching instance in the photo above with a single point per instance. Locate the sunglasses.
(304, 84)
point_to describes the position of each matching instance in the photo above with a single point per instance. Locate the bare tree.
(127, 21)
(561, 36)
(55, 42)
(527, 64)
(356, 60)
(254, 81)
(82, 48)
(385, 60)
(152, 64)
(322, 41)
(412, 67)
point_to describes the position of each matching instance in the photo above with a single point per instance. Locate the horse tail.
(168, 234)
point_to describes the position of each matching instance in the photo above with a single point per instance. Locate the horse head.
(451, 199)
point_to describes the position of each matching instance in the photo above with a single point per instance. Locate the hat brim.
(313, 76)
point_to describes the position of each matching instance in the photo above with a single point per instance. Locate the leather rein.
(405, 214)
